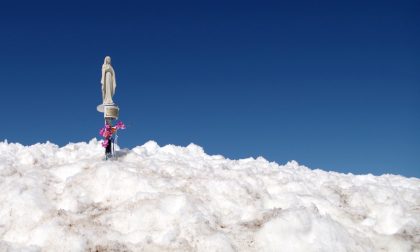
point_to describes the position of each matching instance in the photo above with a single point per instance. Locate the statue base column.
(111, 113)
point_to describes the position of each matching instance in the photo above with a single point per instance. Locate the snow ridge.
(174, 198)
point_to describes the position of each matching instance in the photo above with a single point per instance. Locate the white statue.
(108, 81)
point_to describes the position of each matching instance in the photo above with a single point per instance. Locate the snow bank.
(180, 199)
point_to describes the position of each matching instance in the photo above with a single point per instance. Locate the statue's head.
(107, 60)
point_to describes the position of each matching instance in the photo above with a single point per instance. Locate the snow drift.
(180, 199)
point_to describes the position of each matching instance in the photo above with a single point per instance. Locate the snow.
(174, 198)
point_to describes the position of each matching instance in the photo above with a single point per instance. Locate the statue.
(108, 107)
(108, 81)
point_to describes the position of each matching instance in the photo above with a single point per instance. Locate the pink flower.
(107, 131)
(120, 125)
(107, 134)
(105, 143)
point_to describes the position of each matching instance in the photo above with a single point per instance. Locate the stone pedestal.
(111, 111)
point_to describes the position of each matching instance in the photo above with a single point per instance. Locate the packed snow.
(174, 198)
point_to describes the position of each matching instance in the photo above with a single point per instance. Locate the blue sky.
(334, 85)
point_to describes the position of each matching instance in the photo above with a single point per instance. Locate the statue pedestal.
(111, 111)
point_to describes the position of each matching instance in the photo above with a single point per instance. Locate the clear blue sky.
(332, 84)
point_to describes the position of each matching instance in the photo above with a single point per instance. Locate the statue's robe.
(108, 84)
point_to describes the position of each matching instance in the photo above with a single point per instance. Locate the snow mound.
(181, 199)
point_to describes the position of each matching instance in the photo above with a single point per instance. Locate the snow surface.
(180, 199)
